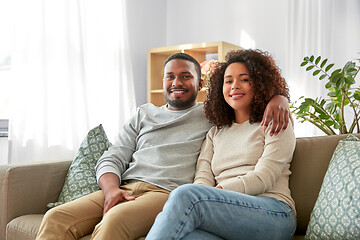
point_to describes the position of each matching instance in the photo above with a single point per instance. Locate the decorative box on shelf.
(200, 51)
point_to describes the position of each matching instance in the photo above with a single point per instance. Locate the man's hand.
(113, 196)
(109, 183)
(277, 111)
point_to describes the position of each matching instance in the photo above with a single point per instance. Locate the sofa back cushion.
(310, 162)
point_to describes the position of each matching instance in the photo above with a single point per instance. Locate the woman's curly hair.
(265, 80)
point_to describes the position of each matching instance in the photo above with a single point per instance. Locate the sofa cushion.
(26, 227)
(336, 211)
(80, 179)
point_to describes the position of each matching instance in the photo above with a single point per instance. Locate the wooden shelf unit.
(156, 58)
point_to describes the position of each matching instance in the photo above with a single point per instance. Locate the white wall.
(247, 23)
(147, 28)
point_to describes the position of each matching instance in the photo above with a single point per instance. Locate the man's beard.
(178, 103)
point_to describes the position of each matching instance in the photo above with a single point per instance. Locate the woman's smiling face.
(237, 90)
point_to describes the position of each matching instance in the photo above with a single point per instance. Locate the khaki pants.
(127, 220)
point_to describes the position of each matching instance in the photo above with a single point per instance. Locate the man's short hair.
(187, 57)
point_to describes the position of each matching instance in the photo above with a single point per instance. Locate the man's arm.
(109, 183)
(114, 162)
(277, 111)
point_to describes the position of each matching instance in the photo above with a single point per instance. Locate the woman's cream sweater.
(246, 159)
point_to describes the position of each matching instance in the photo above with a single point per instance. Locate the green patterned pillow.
(336, 214)
(80, 179)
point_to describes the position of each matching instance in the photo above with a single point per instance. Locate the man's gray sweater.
(158, 146)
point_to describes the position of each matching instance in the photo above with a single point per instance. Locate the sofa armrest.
(28, 188)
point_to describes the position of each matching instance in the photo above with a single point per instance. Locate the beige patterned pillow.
(336, 214)
(80, 179)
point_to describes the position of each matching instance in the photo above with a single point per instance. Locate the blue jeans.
(201, 212)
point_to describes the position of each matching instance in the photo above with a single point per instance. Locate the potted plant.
(343, 98)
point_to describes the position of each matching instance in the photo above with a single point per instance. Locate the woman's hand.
(277, 111)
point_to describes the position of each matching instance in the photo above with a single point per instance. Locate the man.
(156, 152)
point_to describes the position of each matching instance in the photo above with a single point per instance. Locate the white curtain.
(71, 71)
(330, 28)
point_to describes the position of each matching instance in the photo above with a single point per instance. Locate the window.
(6, 34)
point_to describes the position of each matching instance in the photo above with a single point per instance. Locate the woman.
(241, 188)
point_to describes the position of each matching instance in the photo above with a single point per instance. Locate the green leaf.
(317, 60)
(322, 103)
(324, 116)
(317, 109)
(338, 101)
(350, 80)
(316, 72)
(339, 94)
(328, 85)
(311, 58)
(334, 78)
(340, 83)
(337, 116)
(329, 123)
(328, 67)
(357, 96)
(335, 72)
(351, 71)
(332, 94)
(349, 65)
(309, 100)
(303, 64)
(323, 63)
(331, 107)
(303, 107)
(322, 77)
(332, 89)
(310, 67)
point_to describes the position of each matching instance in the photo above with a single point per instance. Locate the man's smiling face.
(181, 84)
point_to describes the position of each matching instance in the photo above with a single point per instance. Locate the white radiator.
(4, 141)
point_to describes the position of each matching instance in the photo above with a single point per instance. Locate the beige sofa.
(26, 189)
